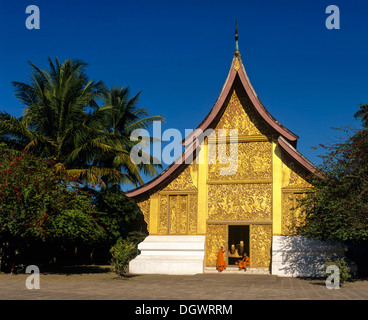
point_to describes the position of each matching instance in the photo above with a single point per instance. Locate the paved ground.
(107, 285)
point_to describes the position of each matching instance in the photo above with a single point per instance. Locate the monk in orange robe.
(220, 265)
(242, 264)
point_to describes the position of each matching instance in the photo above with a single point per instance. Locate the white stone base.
(175, 255)
(296, 256)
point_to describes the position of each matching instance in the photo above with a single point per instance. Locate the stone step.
(173, 243)
(235, 270)
(169, 255)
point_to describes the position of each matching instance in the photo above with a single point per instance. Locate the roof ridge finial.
(237, 53)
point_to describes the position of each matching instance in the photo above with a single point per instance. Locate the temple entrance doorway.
(238, 243)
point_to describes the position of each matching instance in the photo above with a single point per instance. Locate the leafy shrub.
(137, 237)
(41, 205)
(343, 266)
(122, 252)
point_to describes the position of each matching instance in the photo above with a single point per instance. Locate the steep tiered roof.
(286, 139)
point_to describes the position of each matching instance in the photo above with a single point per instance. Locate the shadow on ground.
(85, 269)
(317, 281)
(322, 281)
(77, 269)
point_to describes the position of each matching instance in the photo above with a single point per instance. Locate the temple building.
(191, 209)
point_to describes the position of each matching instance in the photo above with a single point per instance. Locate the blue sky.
(179, 53)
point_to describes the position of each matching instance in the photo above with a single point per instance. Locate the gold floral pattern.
(178, 214)
(260, 245)
(192, 213)
(216, 236)
(293, 175)
(187, 180)
(145, 208)
(252, 159)
(292, 216)
(235, 117)
(178, 221)
(240, 202)
(163, 216)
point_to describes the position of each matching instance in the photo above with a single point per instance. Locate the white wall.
(300, 256)
(169, 255)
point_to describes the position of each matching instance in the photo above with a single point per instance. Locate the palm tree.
(118, 117)
(56, 102)
(63, 122)
(123, 116)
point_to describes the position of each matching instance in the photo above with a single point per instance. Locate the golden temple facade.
(241, 211)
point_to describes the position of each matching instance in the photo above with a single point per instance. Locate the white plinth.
(296, 256)
(169, 255)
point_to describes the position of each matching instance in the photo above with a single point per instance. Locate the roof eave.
(298, 157)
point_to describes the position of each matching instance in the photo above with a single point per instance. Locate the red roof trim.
(218, 104)
(261, 109)
(161, 178)
(296, 155)
(253, 97)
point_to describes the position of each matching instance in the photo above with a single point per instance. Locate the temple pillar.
(202, 189)
(154, 214)
(276, 189)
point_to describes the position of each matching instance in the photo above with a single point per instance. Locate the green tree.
(121, 116)
(55, 116)
(63, 122)
(118, 214)
(40, 205)
(337, 210)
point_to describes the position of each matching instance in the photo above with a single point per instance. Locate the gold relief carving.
(292, 216)
(235, 117)
(194, 174)
(163, 216)
(216, 236)
(242, 181)
(260, 245)
(192, 213)
(173, 213)
(236, 64)
(240, 202)
(295, 180)
(235, 138)
(145, 208)
(187, 180)
(293, 175)
(254, 161)
(178, 222)
(182, 214)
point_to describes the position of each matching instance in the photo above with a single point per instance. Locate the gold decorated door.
(178, 217)
(259, 246)
(178, 214)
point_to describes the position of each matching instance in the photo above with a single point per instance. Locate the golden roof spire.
(237, 53)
